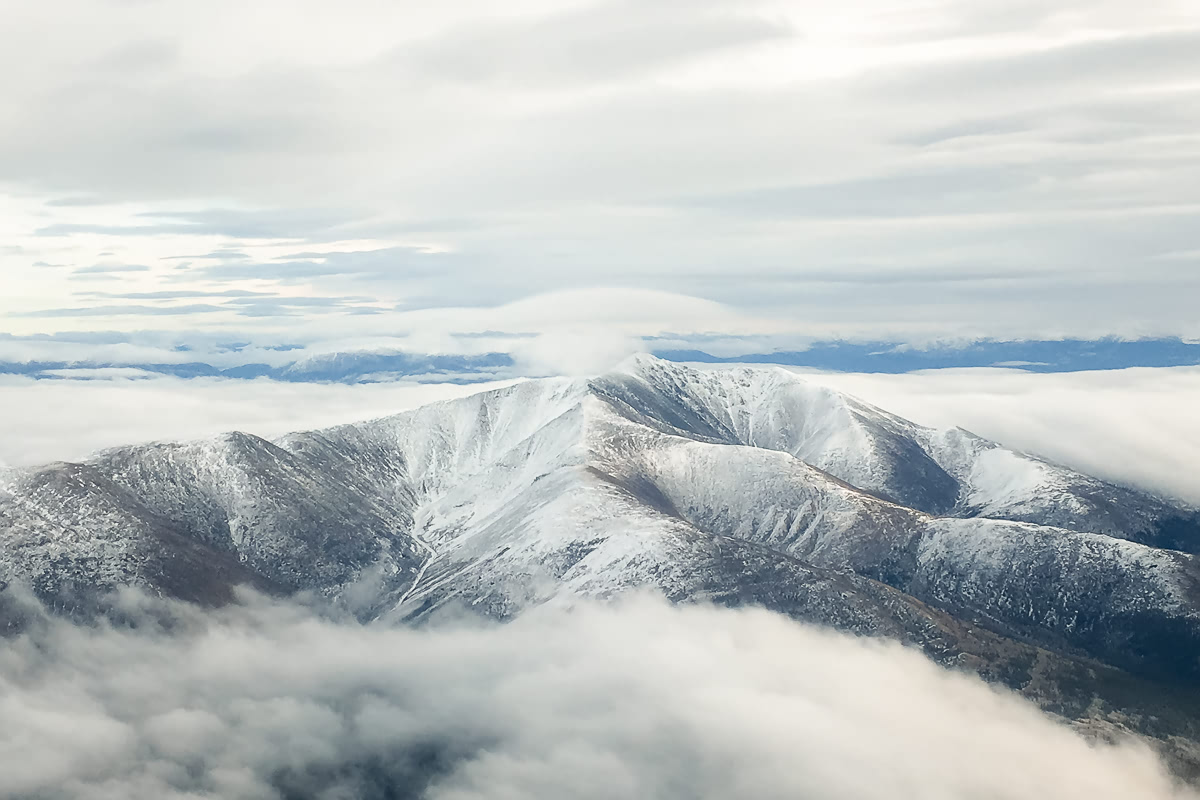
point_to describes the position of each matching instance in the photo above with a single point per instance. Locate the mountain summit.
(739, 486)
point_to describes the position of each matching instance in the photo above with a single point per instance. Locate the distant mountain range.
(736, 486)
(1062, 355)
(1066, 355)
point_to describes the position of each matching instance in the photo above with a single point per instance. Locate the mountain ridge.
(733, 486)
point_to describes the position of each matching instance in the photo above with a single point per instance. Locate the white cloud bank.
(67, 420)
(640, 699)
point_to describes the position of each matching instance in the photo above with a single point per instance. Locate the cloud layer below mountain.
(639, 699)
(70, 419)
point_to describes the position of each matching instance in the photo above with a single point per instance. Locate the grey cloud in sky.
(404, 269)
(1115, 63)
(138, 56)
(664, 146)
(75, 202)
(220, 255)
(175, 295)
(600, 43)
(256, 306)
(294, 223)
(296, 301)
(932, 193)
(119, 310)
(106, 269)
(281, 224)
(983, 126)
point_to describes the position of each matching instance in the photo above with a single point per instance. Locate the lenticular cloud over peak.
(636, 699)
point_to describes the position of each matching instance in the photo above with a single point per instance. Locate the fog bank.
(638, 699)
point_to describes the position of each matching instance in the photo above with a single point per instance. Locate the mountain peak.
(725, 483)
(636, 363)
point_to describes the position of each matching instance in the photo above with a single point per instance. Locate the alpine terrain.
(734, 486)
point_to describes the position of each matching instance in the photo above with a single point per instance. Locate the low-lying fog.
(637, 699)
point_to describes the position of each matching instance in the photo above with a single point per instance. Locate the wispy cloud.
(110, 269)
(177, 294)
(603, 43)
(119, 311)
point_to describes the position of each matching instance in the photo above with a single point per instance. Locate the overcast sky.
(369, 172)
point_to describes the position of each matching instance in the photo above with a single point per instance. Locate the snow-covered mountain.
(733, 485)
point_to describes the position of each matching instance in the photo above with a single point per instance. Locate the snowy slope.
(68, 529)
(745, 485)
(282, 516)
(774, 409)
(950, 472)
(553, 489)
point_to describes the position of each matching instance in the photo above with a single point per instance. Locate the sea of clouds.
(635, 699)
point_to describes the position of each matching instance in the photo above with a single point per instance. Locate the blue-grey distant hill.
(1066, 355)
